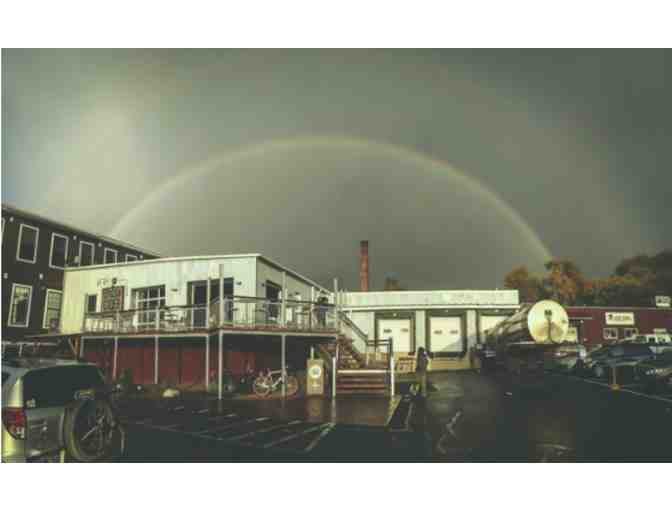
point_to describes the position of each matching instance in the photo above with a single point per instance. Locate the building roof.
(22, 212)
(205, 257)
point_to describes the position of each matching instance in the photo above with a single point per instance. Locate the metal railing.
(233, 312)
(379, 350)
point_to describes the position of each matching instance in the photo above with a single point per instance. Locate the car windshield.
(57, 386)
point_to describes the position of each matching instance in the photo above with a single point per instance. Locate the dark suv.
(600, 362)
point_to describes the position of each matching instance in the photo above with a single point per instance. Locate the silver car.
(53, 410)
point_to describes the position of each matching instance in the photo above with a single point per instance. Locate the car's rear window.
(57, 386)
(636, 350)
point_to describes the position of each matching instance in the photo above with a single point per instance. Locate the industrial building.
(184, 320)
(594, 325)
(35, 252)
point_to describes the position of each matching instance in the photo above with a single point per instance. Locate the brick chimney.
(364, 266)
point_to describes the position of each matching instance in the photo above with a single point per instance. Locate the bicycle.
(271, 380)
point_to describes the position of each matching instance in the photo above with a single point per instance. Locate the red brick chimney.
(364, 266)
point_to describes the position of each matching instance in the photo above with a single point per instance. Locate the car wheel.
(90, 431)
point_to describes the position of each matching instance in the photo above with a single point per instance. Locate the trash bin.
(315, 377)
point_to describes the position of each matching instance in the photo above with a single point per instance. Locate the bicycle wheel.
(292, 385)
(261, 386)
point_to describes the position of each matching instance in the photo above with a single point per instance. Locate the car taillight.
(14, 419)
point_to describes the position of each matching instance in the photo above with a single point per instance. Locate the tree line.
(635, 281)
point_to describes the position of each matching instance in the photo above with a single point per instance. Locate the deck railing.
(233, 312)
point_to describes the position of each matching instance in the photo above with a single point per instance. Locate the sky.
(456, 165)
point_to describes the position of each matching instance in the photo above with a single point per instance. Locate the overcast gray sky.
(456, 165)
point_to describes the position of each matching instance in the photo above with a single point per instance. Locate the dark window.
(59, 250)
(28, 243)
(91, 303)
(5, 376)
(85, 254)
(110, 256)
(20, 305)
(52, 312)
(57, 386)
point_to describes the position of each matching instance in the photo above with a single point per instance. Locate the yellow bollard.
(614, 385)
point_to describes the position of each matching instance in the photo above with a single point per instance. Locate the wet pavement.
(499, 417)
(467, 416)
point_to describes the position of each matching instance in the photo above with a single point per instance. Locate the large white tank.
(544, 322)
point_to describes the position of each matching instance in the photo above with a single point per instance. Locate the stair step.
(362, 392)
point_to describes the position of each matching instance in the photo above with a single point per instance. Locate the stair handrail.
(348, 322)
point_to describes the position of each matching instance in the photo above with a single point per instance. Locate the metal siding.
(174, 275)
(423, 299)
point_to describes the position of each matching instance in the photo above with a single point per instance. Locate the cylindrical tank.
(544, 322)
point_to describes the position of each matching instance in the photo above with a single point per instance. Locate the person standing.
(321, 312)
(421, 366)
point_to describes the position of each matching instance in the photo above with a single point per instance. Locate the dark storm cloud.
(576, 141)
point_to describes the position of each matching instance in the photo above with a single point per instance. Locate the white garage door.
(400, 332)
(445, 334)
(489, 322)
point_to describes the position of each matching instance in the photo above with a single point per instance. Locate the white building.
(447, 323)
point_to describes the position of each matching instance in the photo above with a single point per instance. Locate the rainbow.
(273, 147)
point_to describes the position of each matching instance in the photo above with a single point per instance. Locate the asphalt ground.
(466, 417)
(553, 417)
(205, 430)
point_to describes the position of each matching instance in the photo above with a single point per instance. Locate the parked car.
(600, 362)
(657, 343)
(567, 357)
(56, 409)
(656, 373)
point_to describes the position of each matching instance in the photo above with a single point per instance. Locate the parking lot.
(198, 429)
(501, 417)
(467, 416)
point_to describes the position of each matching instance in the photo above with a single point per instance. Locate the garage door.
(400, 332)
(488, 322)
(446, 335)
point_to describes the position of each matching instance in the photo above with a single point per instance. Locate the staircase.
(368, 381)
(354, 376)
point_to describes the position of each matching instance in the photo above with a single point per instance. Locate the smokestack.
(364, 266)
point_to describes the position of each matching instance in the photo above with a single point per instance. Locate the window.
(19, 310)
(58, 386)
(26, 251)
(110, 256)
(91, 303)
(86, 252)
(58, 252)
(3, 228)
(52, 309)
(149, 298)
(610, 334)
(131, 258)
(631, 333)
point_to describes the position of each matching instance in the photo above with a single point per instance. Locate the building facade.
(594, 325)
(448, 324)
(184, 320)
(35, 253)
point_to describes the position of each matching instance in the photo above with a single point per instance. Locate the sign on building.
(620, 318)
(663, 301)
(112, 299)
